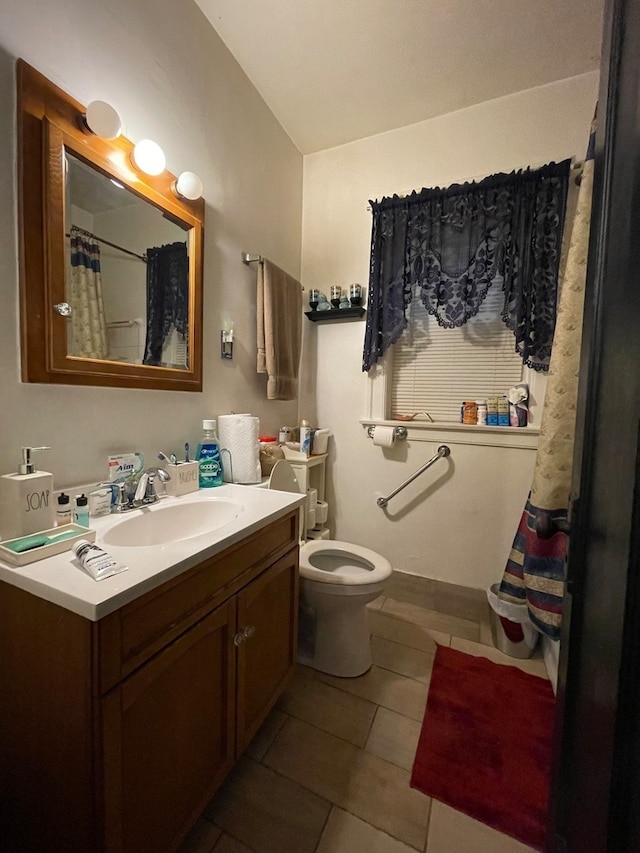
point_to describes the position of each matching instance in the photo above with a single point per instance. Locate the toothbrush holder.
(184, 478)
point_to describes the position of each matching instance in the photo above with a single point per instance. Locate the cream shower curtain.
(88, 324)
(535, 571)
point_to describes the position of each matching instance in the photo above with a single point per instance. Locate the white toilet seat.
(333, 562)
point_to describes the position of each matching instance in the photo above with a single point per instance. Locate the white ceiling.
(337, 70)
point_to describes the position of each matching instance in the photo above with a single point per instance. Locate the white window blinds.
(435, 369)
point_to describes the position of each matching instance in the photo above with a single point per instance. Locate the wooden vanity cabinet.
(167, 734)
(116, 738)
(268, 624)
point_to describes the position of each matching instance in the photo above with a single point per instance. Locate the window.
(455, 243)
(435, 369)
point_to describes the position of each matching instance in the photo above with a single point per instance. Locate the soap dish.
(23, 558)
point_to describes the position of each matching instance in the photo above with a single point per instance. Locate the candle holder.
(314, 296)
(355, 295)
(336, 293)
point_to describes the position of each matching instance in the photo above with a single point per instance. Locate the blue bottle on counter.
(209, 459)
(81, 511)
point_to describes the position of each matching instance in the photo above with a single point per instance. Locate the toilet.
(337, 581)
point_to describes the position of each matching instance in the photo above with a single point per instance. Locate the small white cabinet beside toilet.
(311, 474)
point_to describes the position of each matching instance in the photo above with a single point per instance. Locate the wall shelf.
(336, 314)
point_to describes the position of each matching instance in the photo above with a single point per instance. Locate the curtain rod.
(575, 166)
(109, 243)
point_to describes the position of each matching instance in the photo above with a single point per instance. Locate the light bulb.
(103, 120)
(188, 185)
(149, 157)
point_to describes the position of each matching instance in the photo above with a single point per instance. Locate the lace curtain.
(455, 243)
(167, 297)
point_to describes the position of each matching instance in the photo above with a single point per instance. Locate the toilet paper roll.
(384, 436)
(311, 518)
(322, 512)
(319, 533)
(312, 500)
(239, 435)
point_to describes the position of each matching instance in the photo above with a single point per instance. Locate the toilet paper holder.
(399, 432)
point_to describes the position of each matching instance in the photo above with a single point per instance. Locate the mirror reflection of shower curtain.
(167, 306)
(88, 324)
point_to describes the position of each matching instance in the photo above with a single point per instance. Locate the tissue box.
(293, 453)
(320, 442)
(184, 478)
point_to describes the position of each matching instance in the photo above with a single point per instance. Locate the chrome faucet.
(146, 491)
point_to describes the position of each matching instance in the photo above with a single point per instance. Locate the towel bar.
(248, 258)
(443, 450)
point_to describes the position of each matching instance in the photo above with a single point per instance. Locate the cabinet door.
(168, 737)
(267, 642)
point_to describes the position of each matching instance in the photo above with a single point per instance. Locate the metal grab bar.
(443, 450)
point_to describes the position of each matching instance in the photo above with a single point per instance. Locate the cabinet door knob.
(249, 631)
(239, 638)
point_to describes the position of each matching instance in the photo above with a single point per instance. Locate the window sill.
(525, 438)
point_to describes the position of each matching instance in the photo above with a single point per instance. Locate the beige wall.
(171, 78)
(454, 523)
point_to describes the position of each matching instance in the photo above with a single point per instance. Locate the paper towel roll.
(239, 435)
(384, 436)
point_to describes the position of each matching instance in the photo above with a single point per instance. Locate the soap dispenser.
(26, 499)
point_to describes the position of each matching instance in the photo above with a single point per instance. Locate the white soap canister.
(26, 499)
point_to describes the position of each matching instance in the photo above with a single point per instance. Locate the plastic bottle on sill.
(482, 413)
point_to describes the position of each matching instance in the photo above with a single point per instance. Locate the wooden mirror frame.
(50, 121)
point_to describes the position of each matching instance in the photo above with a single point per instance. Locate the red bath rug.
(485, 744)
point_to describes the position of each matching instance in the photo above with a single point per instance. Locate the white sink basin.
(160, 524)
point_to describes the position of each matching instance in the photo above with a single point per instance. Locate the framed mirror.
(111, 258)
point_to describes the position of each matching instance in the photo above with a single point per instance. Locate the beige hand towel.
(279, 315)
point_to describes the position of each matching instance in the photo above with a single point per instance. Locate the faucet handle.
(145, 484)
(162, 473)
(121, 499)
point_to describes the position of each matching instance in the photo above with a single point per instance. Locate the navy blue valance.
(455, 243)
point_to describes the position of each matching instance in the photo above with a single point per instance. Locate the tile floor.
(329, 770)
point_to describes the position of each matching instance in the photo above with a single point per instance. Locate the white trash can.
(512, 631)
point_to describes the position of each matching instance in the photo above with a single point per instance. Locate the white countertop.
(62, 580)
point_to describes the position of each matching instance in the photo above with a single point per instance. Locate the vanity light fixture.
(102, 120)
(188, 185)
(226, 340)
(149, 157)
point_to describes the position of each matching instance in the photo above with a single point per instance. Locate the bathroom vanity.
(115, 731)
